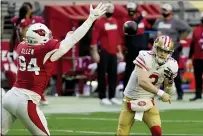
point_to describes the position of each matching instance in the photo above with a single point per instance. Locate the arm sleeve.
(118, 34)
(96, 33)
(72, 39)
(192, 45)
(139, 61)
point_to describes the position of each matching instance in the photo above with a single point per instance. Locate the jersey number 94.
(31, 66)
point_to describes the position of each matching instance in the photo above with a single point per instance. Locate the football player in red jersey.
(35, 67)
(20, 24)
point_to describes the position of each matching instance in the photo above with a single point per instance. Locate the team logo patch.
(40, 32)
(141, 103)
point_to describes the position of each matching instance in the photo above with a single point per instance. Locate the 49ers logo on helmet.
(40, 32)
(141, 103)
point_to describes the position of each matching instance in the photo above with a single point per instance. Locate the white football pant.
(16, 105)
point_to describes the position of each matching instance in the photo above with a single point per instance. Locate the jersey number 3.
(31, 66)
(155, 77)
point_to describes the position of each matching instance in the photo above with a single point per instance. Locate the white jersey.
(146, 60)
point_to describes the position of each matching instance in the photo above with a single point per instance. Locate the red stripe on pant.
(32, 112)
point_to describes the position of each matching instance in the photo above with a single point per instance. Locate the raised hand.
(98, 11)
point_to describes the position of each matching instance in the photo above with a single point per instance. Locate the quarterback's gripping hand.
(98, 11)
(166, 98)
(168, 73)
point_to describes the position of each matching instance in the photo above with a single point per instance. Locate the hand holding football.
(130, 28)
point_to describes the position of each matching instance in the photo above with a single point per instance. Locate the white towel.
(138, 116)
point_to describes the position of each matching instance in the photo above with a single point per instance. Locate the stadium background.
(63, 16)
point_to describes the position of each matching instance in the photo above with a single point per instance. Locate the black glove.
(168, 73)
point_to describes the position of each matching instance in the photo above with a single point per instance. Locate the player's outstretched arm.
(144, 82)
(71, 39)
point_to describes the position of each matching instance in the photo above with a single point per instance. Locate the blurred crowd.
(112, 52)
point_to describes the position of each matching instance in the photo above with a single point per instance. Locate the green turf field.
(174, 123)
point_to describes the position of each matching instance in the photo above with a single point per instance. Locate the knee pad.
(156, 131)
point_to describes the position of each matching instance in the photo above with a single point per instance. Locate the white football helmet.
(38, 34)
(163, 43)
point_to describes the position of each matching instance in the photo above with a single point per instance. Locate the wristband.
(160, 93)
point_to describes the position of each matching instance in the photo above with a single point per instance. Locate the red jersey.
(33, 73)
(106, 32)
(197, 43)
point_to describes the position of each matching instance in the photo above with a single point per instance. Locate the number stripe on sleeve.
(138, 58)
(137, 62)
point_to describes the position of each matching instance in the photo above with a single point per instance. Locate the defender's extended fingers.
(103, 12)
(103, 6)
(98, 6)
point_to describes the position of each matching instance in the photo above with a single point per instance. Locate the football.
(130, 28)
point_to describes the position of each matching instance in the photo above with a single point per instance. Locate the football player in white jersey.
(152, 68)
